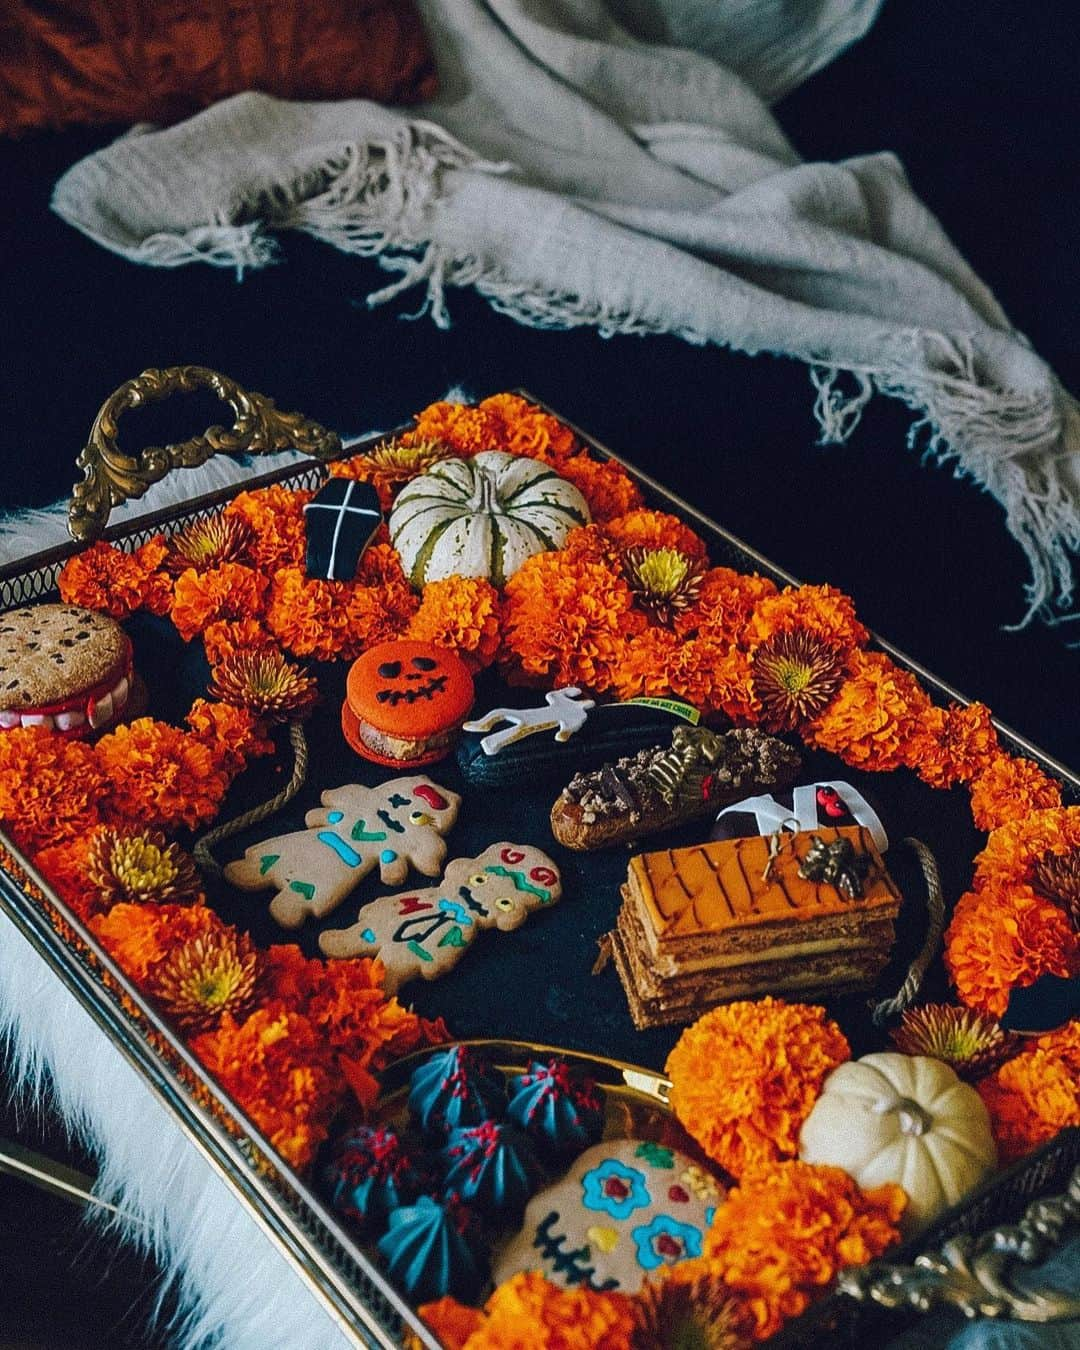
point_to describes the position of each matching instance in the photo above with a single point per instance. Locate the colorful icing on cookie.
(354, 831)
(618, 1215)
(405, 702)
(564, 712)
(562, 1111)
(455, 1087)
(423, 933)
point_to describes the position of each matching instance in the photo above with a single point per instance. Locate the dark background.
(979, 102)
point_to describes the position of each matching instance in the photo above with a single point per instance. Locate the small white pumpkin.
(482, 517)
(906, 1119)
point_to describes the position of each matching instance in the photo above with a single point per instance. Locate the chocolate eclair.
(655, 789)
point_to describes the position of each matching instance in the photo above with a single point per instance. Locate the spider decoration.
(681, 774)
(837, 864)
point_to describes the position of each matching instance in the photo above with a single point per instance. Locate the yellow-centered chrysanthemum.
(967, 1041)
(663, 580)
(208, 543)
(397, 463)
(141, 869)
(698, 1314)
(263, 681)
(205, 977)
(795, 675)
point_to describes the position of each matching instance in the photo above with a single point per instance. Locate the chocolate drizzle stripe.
(751, 902)
(678, 875)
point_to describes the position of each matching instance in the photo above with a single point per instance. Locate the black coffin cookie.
(339, 522)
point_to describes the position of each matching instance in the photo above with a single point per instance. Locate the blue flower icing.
(491, 1165)
(369, 1174)
(454, 1088)
(427, 1255)
(650, 1239)
(563, 1113)
(615, 1189)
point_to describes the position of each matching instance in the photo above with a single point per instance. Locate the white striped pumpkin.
(482, 517)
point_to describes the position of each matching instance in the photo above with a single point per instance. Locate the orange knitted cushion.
(66, 61)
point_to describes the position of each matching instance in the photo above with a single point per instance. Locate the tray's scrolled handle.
(985, 1276)
(111, 478)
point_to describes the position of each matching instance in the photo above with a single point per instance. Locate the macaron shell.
(410, 689)
(350, 726)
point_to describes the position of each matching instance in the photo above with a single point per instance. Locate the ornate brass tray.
(287, 1208)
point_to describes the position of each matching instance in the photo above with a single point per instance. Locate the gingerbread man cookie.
(423, 933)
(394, 826)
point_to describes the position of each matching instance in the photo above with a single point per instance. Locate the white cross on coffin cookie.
(339, 522)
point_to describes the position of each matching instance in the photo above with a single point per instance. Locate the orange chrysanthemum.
(725, 602)
(782, 1236)
(873, 719)
(231, 591)
(462, 613)
(608, 490)
(655, 529)
(745, 1076)
(50, 787)
(528, 1312)
(140, 937)
(567, 621)
(278, 1068)
(225, 636)
(106, 578)
(276, 517)
(1036, 1094)
(160, 776)
(1004, 937)
(953, 745)
(1013, 849)
(1011, 789)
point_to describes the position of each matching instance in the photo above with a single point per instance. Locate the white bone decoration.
(564, 713)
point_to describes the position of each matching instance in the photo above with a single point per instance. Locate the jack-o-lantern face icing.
(424, 933)
(625, 1208)
(392, 827)
(405, 702)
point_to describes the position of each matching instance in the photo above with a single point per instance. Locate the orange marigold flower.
(822, 610)
(225, 636)
(724, 604)
(139, 937)
(655, 529)
(105, 578)
(745, 1076)
(1036, 1094)
(1006, 936)
(953, 745)
(334, 619)
(234, 734)
(64, 867)
(1013, 849)
(380, 564)
(461, 613)
(276, 516)
(781, 1237)
(642, 668)
(567, 621)
(527, 430)
(50, 787)
(231, 591)
(714, 678)
(467, 429)
(590, 543)
(608, 490)
(1010, 789)
(158, 775)
(528, 1312)
(279, 1069)
(872, 720)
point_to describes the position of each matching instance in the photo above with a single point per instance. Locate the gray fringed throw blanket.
(614, 162)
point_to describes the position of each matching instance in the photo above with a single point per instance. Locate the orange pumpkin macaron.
(405, 702)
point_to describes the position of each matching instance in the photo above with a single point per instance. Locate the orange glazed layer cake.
(738, 917)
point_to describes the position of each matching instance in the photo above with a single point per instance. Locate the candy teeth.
(37, 720)
(68, 721)
(120, 693)
(98, 713)
(8, 720)
(101, 712)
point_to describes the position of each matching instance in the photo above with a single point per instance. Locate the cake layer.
(732, 884)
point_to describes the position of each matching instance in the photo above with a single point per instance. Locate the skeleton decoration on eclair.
(394, 826)
(424, 933)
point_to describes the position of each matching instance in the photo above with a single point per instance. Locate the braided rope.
(935, 910)
(201, 850)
